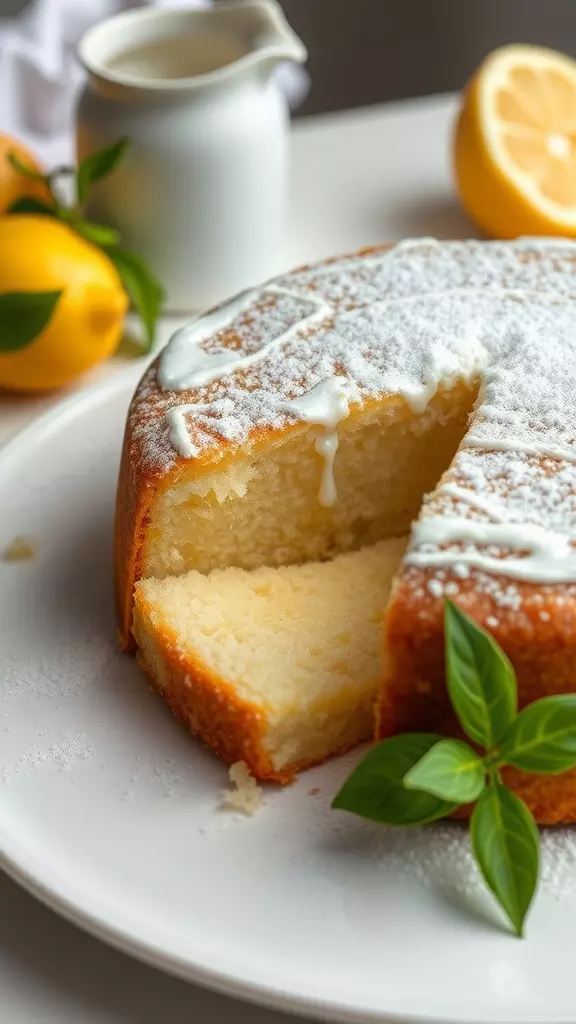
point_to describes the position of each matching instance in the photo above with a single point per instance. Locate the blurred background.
(370, 51)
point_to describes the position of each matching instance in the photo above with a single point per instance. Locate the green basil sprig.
(414, 779)
(142, 287)
(376, 789)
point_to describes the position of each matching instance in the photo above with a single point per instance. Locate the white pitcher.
(201, 193)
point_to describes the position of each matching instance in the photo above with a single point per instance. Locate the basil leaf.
(98, 165)
(28, 204)
(23, 168)
(480, 679)
(99, 234)
(450, 770)
(23, 316)
(375, 790)
(145, 291)
(542, 738)
(506, 844)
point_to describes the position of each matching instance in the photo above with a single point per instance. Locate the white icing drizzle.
(418, 397)
(324, 407)
(183, 358)
(504, 444)
(184, 364)
(452, 490)
(179, 433)
(550, 557)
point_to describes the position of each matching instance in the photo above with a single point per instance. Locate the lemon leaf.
(24, 169)
(97, 165)
(98, 234)
(28, 204)
(23, 316)
(145, 291)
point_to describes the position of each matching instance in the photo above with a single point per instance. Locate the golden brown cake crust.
(208, 706)
(135, 489)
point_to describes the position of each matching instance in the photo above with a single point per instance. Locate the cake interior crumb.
(246, 794)
(20, 549)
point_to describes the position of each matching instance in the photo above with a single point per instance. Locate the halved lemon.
(515, 143)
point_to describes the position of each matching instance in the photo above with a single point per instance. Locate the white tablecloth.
(358, 178)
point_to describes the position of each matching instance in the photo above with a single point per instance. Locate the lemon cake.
(283, 434)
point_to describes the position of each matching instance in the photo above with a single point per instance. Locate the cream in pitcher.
(202, 192)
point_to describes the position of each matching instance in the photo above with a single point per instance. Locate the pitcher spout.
(187, 51)
(271, 39)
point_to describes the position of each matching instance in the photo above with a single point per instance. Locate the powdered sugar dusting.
(70, 749)
(441, 855)
(403, 321)
(82, 660)
(389, 322)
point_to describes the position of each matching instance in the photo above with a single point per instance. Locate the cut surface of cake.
(311, 418)
(277, 667)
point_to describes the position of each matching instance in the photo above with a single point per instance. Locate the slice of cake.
(278, 668)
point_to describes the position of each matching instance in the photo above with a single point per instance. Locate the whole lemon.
(14, 185)
(40, 253)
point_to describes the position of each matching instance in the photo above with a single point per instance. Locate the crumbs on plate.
(246, 796)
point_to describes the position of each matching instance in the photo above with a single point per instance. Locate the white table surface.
(359, 177)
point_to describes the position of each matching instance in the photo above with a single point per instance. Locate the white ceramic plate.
(109, 810)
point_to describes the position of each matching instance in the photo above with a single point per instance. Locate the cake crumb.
(247, 794)
(20, 549)
(314, 792)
